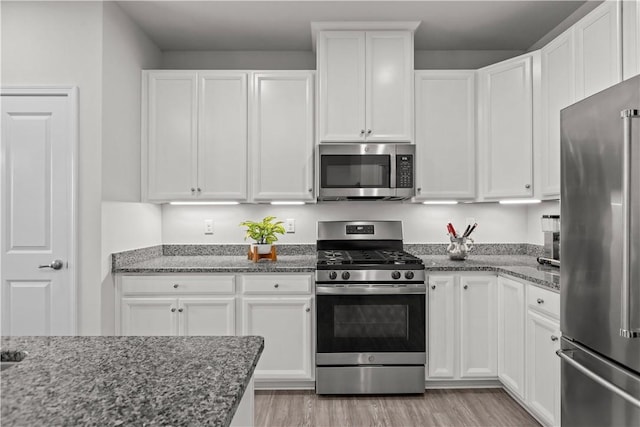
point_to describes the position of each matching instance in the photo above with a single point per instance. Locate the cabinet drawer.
(276, 284)
(178, 285)
(544, 301)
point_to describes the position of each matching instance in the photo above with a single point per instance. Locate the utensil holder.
(459, 248)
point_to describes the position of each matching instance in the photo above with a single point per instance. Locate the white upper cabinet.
(222, 135)
(445, 134)
(630, 38)
(341, 86)
(598, 49)
(171, 132)
(506, 129)
(195, 135)
(365, 86)
(558, 92)
(282, 136)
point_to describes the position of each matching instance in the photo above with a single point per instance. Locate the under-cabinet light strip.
(440, 202)
(204, 203)
(519, 201)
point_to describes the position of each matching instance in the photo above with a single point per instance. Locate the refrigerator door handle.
(626, 330)
(565, 355)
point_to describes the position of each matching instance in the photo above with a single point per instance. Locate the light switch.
(208, 226)
(290, 225)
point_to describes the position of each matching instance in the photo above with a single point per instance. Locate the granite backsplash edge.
(124, 258)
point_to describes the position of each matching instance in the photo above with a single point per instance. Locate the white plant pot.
(263, 248)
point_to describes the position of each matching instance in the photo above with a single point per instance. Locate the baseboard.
(284, 385)
(453, 384)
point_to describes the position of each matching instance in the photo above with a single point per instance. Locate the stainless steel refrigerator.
(600, 252)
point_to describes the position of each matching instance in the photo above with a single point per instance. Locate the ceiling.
(285, 25)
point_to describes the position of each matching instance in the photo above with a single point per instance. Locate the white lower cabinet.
(543, 368)
(285, 323)
(178, 316)
(511, 335)
(462, 327)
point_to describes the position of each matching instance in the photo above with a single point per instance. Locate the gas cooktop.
(366, 257)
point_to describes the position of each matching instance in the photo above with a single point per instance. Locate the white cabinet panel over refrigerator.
(365, 86)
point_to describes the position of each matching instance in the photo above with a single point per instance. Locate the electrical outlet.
(290, 225)
(208, 226)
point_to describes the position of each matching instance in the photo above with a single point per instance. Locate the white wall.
(306, 60)
(422, 223)
(125, 224)
(534, 213)
(59, 43)
(126, 51)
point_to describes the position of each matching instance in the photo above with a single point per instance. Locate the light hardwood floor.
(468, 407)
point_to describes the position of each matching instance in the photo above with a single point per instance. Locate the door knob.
(55, 264)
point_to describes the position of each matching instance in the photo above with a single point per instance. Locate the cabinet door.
(598, 49)
(630, 38)
(207, 316)
(442, 327)
(222, 136)
(445, 134)
(478, 327)
(285, 324)
(543, 368)
(505, 126)
(171, 135)
(282, 138)
(389, 83)
(341, 86)
(558, 92)
(511, 335)
(149, 316)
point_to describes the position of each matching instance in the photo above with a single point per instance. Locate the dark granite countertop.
(127, 380)
(221, 264)
(521, 266)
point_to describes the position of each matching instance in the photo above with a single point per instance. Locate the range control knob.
(333, 275)
(408, 275)
(395, 275)
(345, 275)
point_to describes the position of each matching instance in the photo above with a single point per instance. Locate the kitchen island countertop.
(127, 380)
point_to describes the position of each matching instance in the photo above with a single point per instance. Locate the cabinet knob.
(193, 190)
(181, 310)
(433, 286)
(466, 286)
(368, 131)
(418, 189)
(554, 338)
(311, 190)
(307, 309)
(527, 186)
(362, 132)
(540, 301)
(175, 286)
(173, 310)
(276, 286)
(199, 190)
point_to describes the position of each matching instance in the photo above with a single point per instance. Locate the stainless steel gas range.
(370, 308)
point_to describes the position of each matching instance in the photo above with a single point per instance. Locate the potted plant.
(263, 232)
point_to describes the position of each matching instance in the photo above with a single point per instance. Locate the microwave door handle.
(626, 329)
(392, 172)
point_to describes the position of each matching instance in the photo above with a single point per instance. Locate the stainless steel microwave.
(366, 171)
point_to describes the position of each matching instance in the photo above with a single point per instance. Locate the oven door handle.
(371, 290)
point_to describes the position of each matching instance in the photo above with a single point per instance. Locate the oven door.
(357, 170)
(368, 329)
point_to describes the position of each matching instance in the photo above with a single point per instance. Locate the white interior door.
(38, 145)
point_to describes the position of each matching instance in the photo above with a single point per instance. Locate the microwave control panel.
(404, 171)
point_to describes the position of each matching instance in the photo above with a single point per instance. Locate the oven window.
(370, 323)
(355, 171)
